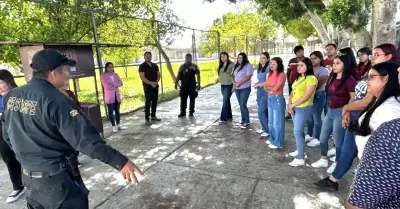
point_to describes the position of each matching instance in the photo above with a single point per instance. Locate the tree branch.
(91, 28)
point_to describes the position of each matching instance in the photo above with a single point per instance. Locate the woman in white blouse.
(383, 84)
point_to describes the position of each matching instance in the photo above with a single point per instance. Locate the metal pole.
(159, 57)
(234, 46)
(194, 46)
(219, 44)
(254, 51)
(247, 46)
(98, 55)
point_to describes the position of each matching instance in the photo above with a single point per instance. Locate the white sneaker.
(268, 142)
(259, 131)
(294, 154)
(321, 163)
(265, 134)
(297, 162)
(333, 159)
(313, 143)
(273, 146)
(15, 195)
(332, 152)
(115, 129)
(121, 127)
(331, 168)
(308, 138)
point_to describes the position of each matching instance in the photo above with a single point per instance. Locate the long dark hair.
(320, 56)
(221, 64)
(392, 88)
(347, 68)
(310, 69)
(280, 69)
(349, 52)
(390, 49)
(244, 62)
(367, 51)
(260, 67)
(8, 78)
(110, 63)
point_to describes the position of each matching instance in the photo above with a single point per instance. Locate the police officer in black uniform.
(45, 129)
(189, 88)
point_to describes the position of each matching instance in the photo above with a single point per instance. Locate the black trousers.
(185, 94)
(113, 110)
(151, 95)
(13, 166)
(62, 191)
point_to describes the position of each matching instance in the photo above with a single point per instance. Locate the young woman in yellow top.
(300, 106)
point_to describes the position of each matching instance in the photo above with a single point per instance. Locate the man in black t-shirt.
(150, 76)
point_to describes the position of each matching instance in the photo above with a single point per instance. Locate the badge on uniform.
(73, 113)
(187, 70)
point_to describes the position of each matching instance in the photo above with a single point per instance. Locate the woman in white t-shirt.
(383, 84)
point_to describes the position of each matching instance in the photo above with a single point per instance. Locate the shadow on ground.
(197, 163)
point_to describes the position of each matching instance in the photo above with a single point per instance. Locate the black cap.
(49, 59)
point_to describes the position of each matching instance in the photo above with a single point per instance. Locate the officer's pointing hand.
(130, 171)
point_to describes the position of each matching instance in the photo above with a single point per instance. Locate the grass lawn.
(132, 90)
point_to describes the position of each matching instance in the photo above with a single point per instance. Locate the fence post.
(194, 46)
(247, 45)
(254, 51)
(159, 58)
(234, 46)
(219, 44)
(98, 56)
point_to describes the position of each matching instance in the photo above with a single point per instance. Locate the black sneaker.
(288, 117)
(245, 125)
(155, 119)
(79, 165)
(230, 118)
(147, 122)
(190, 114)
(181, 115)
(15, 195)
(327, 184)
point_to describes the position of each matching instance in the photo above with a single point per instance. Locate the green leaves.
(231, 24)
(349, 14)
(300, 28)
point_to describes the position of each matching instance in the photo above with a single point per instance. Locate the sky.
(199, 15)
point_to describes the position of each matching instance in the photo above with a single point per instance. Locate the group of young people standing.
(336, 85)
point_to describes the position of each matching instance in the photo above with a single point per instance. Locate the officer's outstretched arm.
(81, 134)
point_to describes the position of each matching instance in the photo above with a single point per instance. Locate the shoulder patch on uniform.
(73, 113)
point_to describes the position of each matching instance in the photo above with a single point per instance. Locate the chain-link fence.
(168, 43)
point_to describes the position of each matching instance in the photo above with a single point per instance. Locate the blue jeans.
(262, 102)
(276, 119)
(243, 96)
(326, 108)
(348, 153)
(318, 106)
(332, 124)
(226, 111)
(299, 122)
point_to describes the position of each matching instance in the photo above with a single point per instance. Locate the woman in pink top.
(276, 103)
(112, 98)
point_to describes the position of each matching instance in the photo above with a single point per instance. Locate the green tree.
(300, 28)
(233, 28)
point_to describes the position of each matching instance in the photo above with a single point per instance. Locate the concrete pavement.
(197, 163)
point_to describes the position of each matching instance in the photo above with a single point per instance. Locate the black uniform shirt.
(187, 75)
(43, 127)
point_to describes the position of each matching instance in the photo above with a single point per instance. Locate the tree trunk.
(167, 61)
(126, 71)
(384, 22)
(361, 39)
(322, 33)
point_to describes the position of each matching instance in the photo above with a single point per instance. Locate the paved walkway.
(197, 163)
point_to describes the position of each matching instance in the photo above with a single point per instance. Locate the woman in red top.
(276, 103)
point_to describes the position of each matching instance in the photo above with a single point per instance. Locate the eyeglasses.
(371, 76)
(377, 55)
